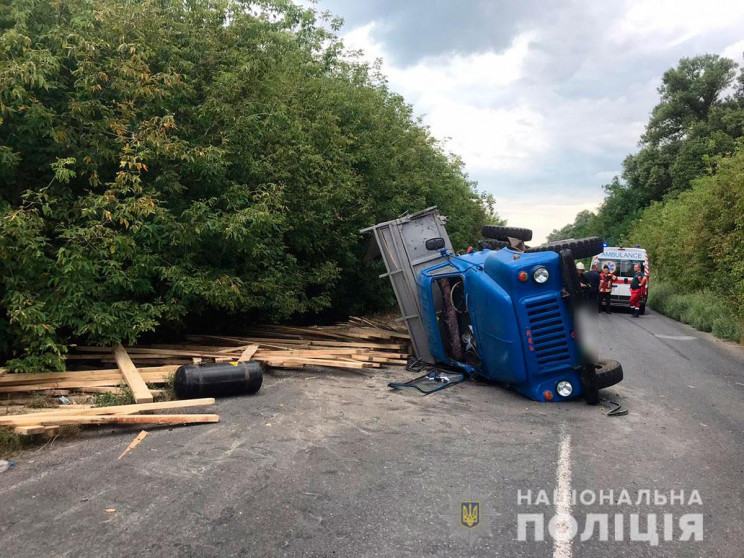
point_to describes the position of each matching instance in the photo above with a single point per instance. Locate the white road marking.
(675, 337)
(562, 539)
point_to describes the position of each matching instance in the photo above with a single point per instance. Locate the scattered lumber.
(249, 351)
(46, 421)
(132, 376)
(358, 344)
(136, 442)
(125, 419)
(13, 420)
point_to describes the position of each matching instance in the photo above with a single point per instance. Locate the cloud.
(735, 51)
(669, 23)
(455, 94)
(542, 100)
(541, 215)
(415, 29)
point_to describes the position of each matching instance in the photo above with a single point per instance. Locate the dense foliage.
(682, 197)
(697, 246)
(168, 164)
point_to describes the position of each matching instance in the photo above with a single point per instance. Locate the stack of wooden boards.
(357, 344)
(49, 421)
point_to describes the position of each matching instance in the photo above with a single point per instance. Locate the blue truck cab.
(505, 315)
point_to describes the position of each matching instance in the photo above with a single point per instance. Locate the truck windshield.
(621, 268)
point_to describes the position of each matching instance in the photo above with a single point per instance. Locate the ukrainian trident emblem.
(470, 514)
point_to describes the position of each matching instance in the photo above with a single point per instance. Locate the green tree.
(168, 165)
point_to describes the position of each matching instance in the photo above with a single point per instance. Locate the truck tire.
(609, 373)
(489, 244)
(504, 233)
(570, 275)
(581, 248)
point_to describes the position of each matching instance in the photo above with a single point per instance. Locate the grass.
(169, 388)
(41, 402)
(111, 399)
(703, 310)
(10, 442)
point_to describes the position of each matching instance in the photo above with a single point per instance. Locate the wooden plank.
(112, 410)
(136, 442)
(29, 430)
(295, 362)
(248, 353)
(46, 377)
(122, 419)
(131, 376)
(337, 353)
(60, 386)
(276, 341)
(35, 429)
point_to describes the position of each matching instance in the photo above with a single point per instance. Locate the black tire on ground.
(581, 248)
(491, 244)
(609, 373)
(504, 233)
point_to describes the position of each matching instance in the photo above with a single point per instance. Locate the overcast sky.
(542, 99)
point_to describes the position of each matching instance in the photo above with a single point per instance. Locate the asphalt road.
(336, 464)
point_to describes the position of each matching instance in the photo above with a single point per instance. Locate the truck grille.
(548, 334)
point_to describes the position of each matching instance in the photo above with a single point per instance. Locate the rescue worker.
(605, 289)
(583, 282)
(637, 286)
(592, 278)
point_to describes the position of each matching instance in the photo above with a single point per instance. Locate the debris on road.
(358, 344)
(136, 442)
(51, 420)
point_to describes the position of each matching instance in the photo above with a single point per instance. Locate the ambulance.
(621, 262)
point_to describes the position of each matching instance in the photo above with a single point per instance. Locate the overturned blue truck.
(505, 313)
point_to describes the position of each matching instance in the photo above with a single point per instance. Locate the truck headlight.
(564, 388)
(540, 275)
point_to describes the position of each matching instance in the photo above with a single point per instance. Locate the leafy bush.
(703, 310)
(166, 165)
(696, 246)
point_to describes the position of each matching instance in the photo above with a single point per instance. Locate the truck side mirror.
(435, 243)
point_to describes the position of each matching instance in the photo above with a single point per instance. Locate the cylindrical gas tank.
(219, 379)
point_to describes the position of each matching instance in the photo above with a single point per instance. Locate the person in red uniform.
(637, 286)
(605, 289)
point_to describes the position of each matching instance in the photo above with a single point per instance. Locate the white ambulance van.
(621, 261)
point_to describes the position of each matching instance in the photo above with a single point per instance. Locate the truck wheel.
(581, 248)
(570, 275)
(609, 373)
(490, 244)
(504, 233)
